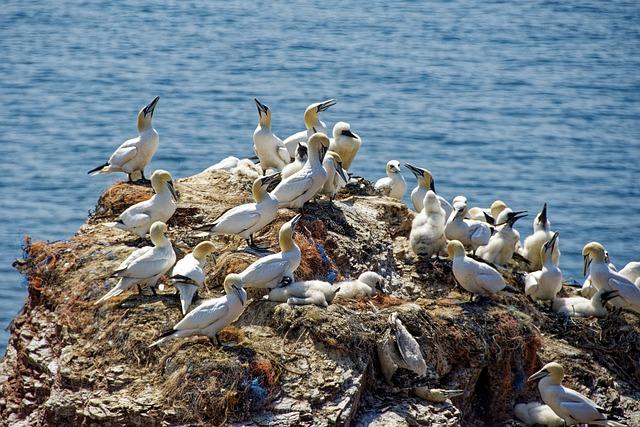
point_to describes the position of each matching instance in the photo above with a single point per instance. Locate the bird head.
(145, 115)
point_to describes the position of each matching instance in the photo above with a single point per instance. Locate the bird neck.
(259, 191)
(144, 122)
(265, 120)
(160, 240)
(286, 239)
(311, 119)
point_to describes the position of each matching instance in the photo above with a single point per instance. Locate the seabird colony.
(309, 165)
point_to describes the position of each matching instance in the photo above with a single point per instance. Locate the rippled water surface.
(523, 101)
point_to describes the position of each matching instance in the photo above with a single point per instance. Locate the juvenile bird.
(393, 185)
(427, 229)
(306, 292)
(345, 143)
(367, 285)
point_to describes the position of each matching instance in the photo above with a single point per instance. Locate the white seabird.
(583, 307)
(426, 182)
(145, 265)
(212, 315)
(393, 185)
(474, 276)
(604, 279)
(269, 271)
(367, 285)
(436, 395)
(631, 271)
(472, 234)
(188, 274)
(541, 234)
(345, 143)
(249, 218)
(270, 149)
(305, 292)
(505, 241)
(160, 207)
(537, 414)
(301, 187)
(298, 162)
(427, 229)
(488, 215)
(399, 349)
(544, 284)
(588, 290)
(134, 154)
(336, 176)
(571, 406)
(313, 124)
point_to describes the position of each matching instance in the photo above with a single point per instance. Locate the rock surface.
(69, 362)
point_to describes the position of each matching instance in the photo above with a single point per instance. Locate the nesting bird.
(537, 414)
(471, 233)
(249, 218)
(270, 149)
(427, 236)
(269, 271)
(345, 143)
(583, 307)
(436, 395)
(302, 186)
(544, 284)
(505, 241)
(298, 162)
(212, 315)
(426, 182)
(336, 176)
(134, 154)
(188, 274)
(316, 292)
(571, 406)
(474, 276)
(393, 185)
(541, 234)
(160, 207)
(146, 265)
(399, 349)
(367, 285)
(312, 123)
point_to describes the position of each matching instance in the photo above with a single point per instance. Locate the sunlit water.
(523, 101)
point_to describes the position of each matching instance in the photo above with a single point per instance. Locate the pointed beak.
(414, 170)
(302, 150)
(148, 110)
(173, 191)
(340, 171)
(432, 185)
(324, 106)
(238, 292)
(348, 133)
(517, 215)
(295, 221)
(586, 263)
(552, 242)
(543, 215)
(323, 151)
(267, 180)
(261, 107)
(538, 375)
(490, 220)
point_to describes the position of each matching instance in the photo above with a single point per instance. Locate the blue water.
(523, 101)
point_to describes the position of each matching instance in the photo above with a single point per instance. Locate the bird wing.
(480, 233)
(489, 279)
(384, 185)
(124, 153)
(409, 349)
(134, 219)
(283, 153)
(237, 219)
(205, 314)
(531, 283)
(293, 187)
(150, 264)
(265, 270)
(138, 253)
(570, 395)
(626, 289)
(189, 268)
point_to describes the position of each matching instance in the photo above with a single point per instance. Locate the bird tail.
(206, 227)
(100, 169)
(114, 292)
(186, 295)
(165, 336)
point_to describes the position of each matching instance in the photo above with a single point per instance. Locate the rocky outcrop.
(69, 362)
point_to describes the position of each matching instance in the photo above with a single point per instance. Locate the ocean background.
(528, 102)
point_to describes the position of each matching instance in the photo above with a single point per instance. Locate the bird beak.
(490, 220)
(432, 185)
(172, 189)
(270, 178)
(552, 242)
(261, 107)
(516, 216)
(348, 133)
(605, 297)
(238, 292)
(302, 150)
(587, 262)
(324, 106)
(323, 151)
(340, 171)
(414, 170)
(295, 220)
(543, 215)
(540, 374)
(148, 110)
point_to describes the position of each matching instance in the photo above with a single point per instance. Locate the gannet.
(472, 234)
(604, 279)
(145, 265)
(237, 166)
(541, 234)
(504, 242)
(426, 182)
(571, 406)
(583, 307)
(399, 349)
(436, 395)
(306, 292)
(588, 290)
(488, 215)
(249, 218)
(134, 154)
(313, 124)
(160, 207)
(212, 315)
(301, 187)
(631, 271)
(393, 185)
(537, 414)
(298, 162)
(345, 143)
(544, 284)
(367, 285)
(336, 176)
(268, 272)
(188, 274)
(427, 229)
(474, 276)
(268, 147)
